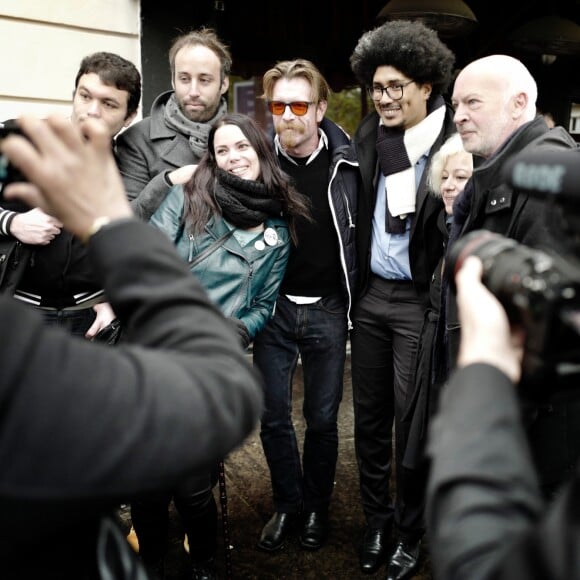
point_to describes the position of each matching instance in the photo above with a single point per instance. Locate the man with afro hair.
(406, 69)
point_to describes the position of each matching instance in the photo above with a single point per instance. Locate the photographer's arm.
(483, 493)
(87, 424)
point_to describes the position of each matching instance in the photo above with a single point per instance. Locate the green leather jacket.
(242, 280)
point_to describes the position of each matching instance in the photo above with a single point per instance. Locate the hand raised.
(71, 171)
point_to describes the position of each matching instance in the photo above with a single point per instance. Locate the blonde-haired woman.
(449, 173)
(450, 170)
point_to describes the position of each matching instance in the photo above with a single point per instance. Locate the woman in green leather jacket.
(233, 221)
(237, 188)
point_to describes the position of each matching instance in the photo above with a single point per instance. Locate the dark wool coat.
(426, 242)
(85, 427)
(498, 207)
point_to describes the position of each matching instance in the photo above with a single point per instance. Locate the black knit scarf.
(393, 157)
(244, 203)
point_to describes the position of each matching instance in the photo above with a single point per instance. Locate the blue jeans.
(318, 333)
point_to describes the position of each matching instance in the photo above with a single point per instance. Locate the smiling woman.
(237, 189)
(233, 222)
(450, 169)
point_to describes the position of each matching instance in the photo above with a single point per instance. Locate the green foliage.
(345, 109)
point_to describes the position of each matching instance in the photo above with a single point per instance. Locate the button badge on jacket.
(270, 236)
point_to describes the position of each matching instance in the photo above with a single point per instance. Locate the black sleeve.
(134, 152)
(483, 496)
(82, 421)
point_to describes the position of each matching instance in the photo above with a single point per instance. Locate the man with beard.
(407, 69)
(311, 318)
(161, 150)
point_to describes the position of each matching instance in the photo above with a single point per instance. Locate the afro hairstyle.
(410, 47)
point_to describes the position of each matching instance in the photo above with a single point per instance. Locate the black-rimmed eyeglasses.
(298, 108)
(394, 92)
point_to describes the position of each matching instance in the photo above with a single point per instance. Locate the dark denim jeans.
(77, 322)
(318, 333)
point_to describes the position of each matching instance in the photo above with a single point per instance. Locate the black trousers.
(197, 509)
(387, 323)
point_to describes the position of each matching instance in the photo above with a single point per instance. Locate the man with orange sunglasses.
(311, 320)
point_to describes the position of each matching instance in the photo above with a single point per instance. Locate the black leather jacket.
(343, 188)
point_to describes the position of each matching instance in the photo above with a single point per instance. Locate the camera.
(539, 291)
(9, 173)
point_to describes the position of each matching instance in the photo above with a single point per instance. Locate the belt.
(393, 280)
(83, 306)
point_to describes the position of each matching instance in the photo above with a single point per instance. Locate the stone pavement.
(249, 508)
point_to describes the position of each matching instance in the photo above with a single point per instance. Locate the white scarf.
(401, 187)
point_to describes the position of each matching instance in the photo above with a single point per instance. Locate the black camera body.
(539, 291)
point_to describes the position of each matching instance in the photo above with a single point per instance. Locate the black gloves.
(242, 331)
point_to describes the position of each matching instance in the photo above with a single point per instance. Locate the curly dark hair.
(410, 47)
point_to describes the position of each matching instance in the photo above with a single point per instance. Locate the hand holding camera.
(70, 175)
(486, 336)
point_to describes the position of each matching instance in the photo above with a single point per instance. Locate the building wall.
(42, 43)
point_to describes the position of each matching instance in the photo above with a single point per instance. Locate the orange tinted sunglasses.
(298, 108)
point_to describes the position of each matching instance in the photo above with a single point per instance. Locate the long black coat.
(423, 402)
(499, 208)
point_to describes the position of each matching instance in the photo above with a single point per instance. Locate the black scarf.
(394, 158)
(244, 203)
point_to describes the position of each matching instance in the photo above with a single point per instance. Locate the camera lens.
(481, 243)
(509, 268)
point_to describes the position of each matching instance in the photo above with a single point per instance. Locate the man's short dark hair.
(411, 48)
(115, 71)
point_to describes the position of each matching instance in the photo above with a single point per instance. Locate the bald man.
(495, 113)
(493, 97)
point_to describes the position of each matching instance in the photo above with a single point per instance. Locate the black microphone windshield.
(546, 173)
